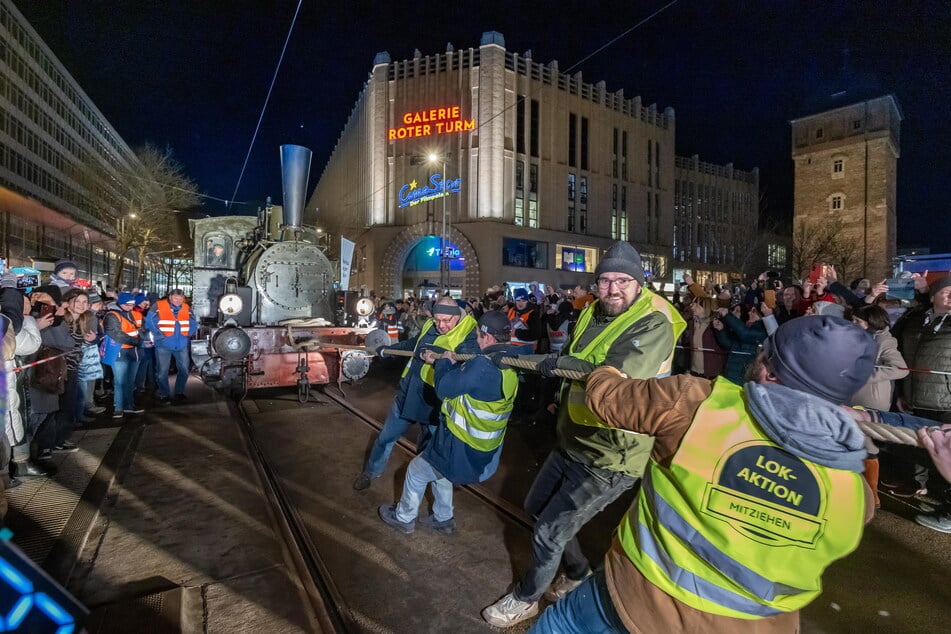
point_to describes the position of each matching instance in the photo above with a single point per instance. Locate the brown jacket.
(664, 409)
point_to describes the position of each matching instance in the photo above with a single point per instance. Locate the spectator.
(171, 324)
(742, 337)
(64, 274)
(924, 338)
(145, 375)
(791, 305)
(121, 353)
(706, 355)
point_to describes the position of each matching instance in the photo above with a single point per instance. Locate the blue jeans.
(420, 473)
(564, 497)
(585, 610)
(393, 428)
(123, 383)
(145, 375)
(163, 360)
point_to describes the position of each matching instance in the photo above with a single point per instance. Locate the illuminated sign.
(412, 194)
(436, 252)
(429, 122)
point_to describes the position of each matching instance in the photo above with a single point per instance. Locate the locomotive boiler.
(264, 294)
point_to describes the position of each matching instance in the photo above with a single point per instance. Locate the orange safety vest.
(129, 326)
(167, 319)
(524, 319)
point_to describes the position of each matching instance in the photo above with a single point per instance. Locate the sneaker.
(446, 527)
(562, 585)
(45, 455)
(135, 410)
(95, 411)
(118, 414)
(940, 522)
(164, 400)
(508, 611)
(66, 447)
(388, 515)
(362, 483)
(179, 398)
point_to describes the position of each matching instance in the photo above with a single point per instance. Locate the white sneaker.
(562, 585)
(508, 611)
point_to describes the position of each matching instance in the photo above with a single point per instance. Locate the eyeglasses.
(621, 283)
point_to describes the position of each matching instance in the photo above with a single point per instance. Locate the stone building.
(846, 162)
(48, 126)
(498, 168)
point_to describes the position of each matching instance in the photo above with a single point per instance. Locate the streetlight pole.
(444, 270)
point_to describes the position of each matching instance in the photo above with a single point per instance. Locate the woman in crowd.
(741, 335)
(707, 357)
(83, 328)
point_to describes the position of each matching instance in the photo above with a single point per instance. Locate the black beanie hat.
(622, 257)
(50, 289)
(496, 324)
(822, 355)
(940, 283)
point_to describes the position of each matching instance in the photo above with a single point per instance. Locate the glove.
(380, 350)
(8, 280)
(546, 367)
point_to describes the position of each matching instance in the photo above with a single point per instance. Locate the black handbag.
(50, 377)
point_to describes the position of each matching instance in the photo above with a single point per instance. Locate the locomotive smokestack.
(295, 170)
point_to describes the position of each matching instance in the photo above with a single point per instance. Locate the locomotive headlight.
(230, 304)
(231, 344)
(364, 306)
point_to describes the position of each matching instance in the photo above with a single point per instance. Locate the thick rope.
(876, 431)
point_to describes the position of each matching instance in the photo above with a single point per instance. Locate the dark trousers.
(564, 497)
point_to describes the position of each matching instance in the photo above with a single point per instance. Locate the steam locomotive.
(265, 298)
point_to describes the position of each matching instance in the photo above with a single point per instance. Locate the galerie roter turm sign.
(429, 122)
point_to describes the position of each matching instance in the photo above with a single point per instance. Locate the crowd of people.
(733, 404)
(71, 349)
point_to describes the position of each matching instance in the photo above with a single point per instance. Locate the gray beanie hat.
(622, 257)
(822, 355)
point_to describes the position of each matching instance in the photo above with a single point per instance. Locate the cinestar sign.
(424, 123)
(412, 194)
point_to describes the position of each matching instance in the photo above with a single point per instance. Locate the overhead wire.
(270, 90)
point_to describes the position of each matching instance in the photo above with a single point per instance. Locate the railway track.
(328, 605)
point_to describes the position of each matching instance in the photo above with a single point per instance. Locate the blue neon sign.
(412, 194)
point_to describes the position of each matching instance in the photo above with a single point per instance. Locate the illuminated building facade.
(525, 173)
(49, 126)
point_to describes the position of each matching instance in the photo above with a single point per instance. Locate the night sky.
(193, 75)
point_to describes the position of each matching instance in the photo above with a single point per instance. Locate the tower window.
(835, 203)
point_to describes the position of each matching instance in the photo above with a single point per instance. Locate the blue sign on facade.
(413, 193)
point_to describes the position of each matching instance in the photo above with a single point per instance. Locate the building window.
(519, 212)
(519, 175)
(520, 125)
(836, 202)
(583, 221)
(572, 139)
(856, 124)
(614, 224)
(524, 253)
(622, 229)
(819, 133)
(571, 187)
(624, 198)
(776, 257)
(838, 168)
(584, 143)
(533, 178)
(533, 214)
(614, 156)
(575, 258)
(571, 219)
(584, 190)
(534, 127)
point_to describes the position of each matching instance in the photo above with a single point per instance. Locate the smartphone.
(769, 298)
(27, 281)
(817, 271)
(900, 288)
(47, 309)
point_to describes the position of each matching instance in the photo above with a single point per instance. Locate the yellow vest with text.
(481, 424)
(597, 349)
(448, 341)
(736, 525)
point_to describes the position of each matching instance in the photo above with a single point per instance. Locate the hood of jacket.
(807, 426)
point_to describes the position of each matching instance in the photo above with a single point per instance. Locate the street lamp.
(444, 258)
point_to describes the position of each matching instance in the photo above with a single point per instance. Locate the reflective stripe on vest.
(597, 349)
(394, 332)
(167, 318)
(448, 341)
(481, 424)
(129, 326)
(513, 317)
(736, 525)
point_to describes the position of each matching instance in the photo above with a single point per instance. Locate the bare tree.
(138, 203)
(827, 242)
